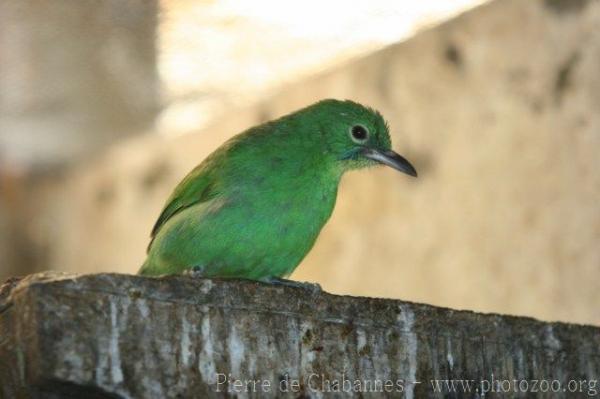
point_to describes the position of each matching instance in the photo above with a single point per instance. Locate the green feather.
(254, 208)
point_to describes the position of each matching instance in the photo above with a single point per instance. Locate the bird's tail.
(146, 269)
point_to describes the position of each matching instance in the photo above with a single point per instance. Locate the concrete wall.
(74, 75)
(498, 109)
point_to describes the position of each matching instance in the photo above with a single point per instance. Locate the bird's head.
(358, 136)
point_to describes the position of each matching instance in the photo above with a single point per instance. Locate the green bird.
(254, 208)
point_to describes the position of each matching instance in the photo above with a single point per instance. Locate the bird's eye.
(359, 133)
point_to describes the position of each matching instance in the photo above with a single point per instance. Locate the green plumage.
(254, 208)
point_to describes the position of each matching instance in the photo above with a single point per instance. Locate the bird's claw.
(194, 272)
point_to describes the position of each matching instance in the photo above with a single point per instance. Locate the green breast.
(270, 196)
(255, 233)
(275, 225)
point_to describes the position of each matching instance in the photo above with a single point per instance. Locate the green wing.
(195, 188)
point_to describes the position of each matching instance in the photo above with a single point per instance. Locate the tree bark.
(123, 336)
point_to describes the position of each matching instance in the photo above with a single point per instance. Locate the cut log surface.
(123, 336)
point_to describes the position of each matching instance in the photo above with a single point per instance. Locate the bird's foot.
(314, 287)
(195, 272)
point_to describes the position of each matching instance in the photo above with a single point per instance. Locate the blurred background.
(105, 106)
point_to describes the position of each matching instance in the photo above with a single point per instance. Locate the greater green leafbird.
(255, 206)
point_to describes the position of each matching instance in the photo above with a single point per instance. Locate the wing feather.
(195, 188)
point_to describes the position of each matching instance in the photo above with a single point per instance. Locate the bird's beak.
(390, 158)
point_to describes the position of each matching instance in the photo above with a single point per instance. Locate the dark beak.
(390, 158)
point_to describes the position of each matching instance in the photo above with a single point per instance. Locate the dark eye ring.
(359, 133)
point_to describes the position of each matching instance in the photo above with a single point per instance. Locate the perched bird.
(254, 207)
